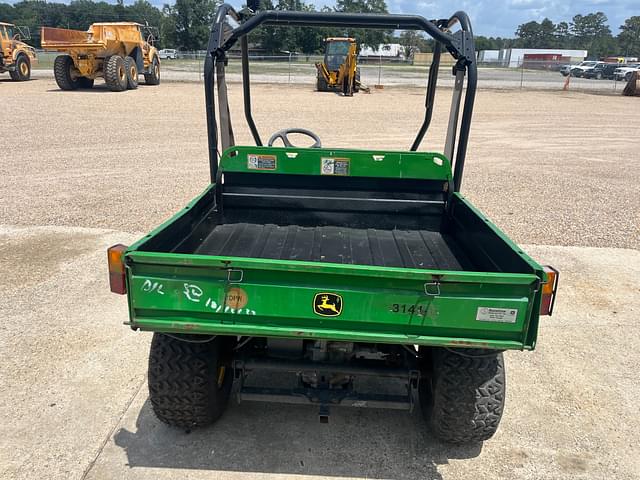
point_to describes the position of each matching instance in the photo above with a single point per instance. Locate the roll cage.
(230, 26)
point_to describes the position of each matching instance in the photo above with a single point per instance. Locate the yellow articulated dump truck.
(116, 51)
(16, 57)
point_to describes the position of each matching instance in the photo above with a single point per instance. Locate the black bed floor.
(389, 248)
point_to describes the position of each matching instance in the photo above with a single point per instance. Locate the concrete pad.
(571, 409)
(68, 367)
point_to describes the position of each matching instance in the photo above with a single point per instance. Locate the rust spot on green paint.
(464, 343)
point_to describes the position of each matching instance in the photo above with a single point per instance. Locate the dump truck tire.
(190, 383)
(462, 398)
(86, 83)
(322, 84)
(62, 72)
(115, 73)
(153, 77)
(132, 73)
(22, 73)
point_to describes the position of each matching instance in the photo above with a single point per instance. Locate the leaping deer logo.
(328, 304)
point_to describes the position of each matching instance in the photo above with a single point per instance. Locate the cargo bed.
(412, 262)
(386, 248)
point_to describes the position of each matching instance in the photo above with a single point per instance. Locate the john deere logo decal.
(327, 304)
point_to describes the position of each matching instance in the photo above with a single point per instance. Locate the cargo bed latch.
(235, 275)
(432, 289)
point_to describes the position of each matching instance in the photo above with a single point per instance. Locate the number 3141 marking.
(410, 309)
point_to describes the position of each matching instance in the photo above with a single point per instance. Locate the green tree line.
(589, 32)
(186, 23)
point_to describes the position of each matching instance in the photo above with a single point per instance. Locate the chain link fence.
(298, 69)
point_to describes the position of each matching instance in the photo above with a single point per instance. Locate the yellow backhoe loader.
(339, 70)
(16, 57)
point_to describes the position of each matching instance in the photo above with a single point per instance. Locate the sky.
(494, 18)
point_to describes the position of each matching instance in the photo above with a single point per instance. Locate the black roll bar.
(223, 36)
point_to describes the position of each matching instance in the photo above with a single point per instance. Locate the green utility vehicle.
(358, 278)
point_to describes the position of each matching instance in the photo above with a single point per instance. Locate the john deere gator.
(357, 278)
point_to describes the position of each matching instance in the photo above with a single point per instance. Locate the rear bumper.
(254, 330)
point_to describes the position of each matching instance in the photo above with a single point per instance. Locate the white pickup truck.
(578, 70)
(624, 72)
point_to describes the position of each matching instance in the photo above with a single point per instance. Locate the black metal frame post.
(459, 44)
(431, 94)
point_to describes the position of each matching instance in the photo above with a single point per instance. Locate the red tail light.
(549, 289)
(117, 281)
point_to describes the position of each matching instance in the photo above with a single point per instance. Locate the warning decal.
(334, 166)
(261, 162)
(500, 315)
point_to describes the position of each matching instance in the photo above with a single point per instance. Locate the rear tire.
(22, 73)
(463, 397)
(85, 83)
(62, 70)
(322, 84)
(153, 77)
(190, 383)
(115, 73)
(132, 73)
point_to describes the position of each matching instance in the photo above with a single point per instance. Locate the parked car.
(565, 70)
(624, 72)
(602, 71)
(580, 69)
(168, 53)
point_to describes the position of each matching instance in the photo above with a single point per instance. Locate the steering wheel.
(282, 134)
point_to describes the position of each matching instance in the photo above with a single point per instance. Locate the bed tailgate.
(232, 296)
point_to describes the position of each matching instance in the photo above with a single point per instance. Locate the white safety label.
(500, 315)
(334, 166)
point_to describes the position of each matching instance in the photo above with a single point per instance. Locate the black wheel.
(322, 84)
(347, 89)
(462, 396)
(63, 71)
(22, 73)
(115, 73)
(627, 77)
(356, 82)
(190, 383)
(132, 73)
(153, 77)
(84, 82)
(598, 75)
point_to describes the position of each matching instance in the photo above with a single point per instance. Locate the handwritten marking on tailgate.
(236, 299)
(149, 286)
(500, 315)
(192, 292)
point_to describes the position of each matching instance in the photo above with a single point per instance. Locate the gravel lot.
(83, 170)
(539, 163)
